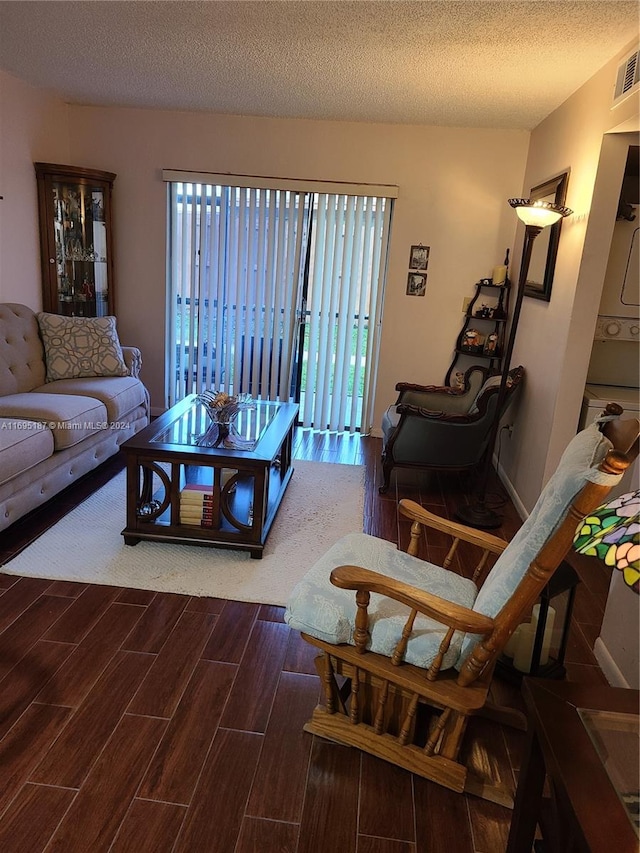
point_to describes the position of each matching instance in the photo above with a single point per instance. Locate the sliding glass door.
(277, 292)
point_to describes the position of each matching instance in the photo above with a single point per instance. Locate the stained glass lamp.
(612, 534)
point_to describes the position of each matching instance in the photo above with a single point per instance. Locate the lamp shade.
(612, 534)
(539, 214)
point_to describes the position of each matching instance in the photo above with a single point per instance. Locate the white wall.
(617, 646)
(453, 185)
(554, 339)
(33, 127)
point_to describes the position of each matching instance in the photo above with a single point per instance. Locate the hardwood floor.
(141, 722)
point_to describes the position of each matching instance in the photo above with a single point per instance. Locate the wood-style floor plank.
(82, 614)
(217, 811)
(300, 656)
(386, 795)
(151, 632)
(252, 694)
(67, 589)
(23, 683)
(28, 628)
(89, 659)
(164, 684)
(142, 597)
(96, 813)
(22, 748)
(278, 788)
(71, 757)
(442, 819)
(149, 826)
(231, 633)
(330, 808)
(21, 593)
(367, 844)
(176, 766)
(142, 783)
(489, 825)
(257, 835)
(29, 822)
(205, 604)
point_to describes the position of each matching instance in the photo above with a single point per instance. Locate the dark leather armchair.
(441, 427)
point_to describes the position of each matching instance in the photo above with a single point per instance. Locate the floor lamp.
(536, 215)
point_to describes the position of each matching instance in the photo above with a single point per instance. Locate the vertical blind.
(348, 257)
(238, 293)
(235, 262)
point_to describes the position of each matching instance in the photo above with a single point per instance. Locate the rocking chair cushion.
(577, 466)
(319, 608)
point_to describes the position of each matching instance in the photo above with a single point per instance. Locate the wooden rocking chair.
(409, 659)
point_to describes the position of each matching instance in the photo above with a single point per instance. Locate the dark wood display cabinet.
(76, 241)
(482, 336)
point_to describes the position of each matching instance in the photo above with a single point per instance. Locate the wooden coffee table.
(246, 476)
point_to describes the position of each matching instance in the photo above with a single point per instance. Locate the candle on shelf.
(548, 631)
(499, 274)
(524, 648)
(510, 648)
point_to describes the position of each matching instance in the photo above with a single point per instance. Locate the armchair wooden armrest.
(454, 616)
(443, 397)
(438, 414)
(488, 543)
(447, 612)
(483, 540)
(437, 389)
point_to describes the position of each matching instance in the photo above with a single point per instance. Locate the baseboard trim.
(608, 666)
(506, 482)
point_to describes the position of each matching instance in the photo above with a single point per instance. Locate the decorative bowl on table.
(223, 409)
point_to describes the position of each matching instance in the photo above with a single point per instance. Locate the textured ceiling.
(483, 64)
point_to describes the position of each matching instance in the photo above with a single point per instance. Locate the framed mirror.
(545, 246)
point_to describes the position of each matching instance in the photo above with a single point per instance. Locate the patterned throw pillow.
(76, 347)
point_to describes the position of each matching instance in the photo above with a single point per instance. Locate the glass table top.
(194, 428)
(616, 739)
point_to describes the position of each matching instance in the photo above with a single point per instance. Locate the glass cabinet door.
(75, 240)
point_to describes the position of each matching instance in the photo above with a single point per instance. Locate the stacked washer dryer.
(614, 369)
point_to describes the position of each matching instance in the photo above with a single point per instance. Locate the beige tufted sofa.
(51, 433)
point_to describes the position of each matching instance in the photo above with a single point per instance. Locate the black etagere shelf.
(482, 336)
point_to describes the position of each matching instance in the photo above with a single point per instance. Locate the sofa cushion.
(21, 351)
(325, 611)
(69, 418)
(81, 346)
(120, 394)
(23, 444)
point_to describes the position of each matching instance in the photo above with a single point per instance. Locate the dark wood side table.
(588, 814)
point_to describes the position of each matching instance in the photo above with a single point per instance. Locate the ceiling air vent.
(628, 79)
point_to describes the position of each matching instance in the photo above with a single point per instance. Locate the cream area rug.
(323, 502)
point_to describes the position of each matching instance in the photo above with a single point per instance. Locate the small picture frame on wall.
(416, 284)
(419, 257)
